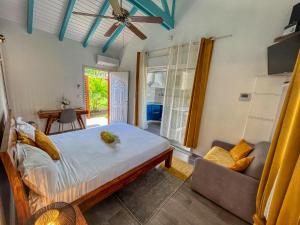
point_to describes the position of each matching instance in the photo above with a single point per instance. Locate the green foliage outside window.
(98, 92)
(93, 72)
(98, 89)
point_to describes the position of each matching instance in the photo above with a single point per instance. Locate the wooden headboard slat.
(8, 147)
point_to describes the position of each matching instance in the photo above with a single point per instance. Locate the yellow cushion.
(219, 156)
(43, 142)
(241, 164)
(24, 139)
(241, 150)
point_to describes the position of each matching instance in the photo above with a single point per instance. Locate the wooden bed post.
(168, 161)
(18, 189)
(17, 186)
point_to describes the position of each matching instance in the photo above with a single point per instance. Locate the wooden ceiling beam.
(66, 20)
(173, 10)
(165, 6)
(151, 9)
(96, 23)
(30, 6)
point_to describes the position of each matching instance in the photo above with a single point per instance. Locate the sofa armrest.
(231, 190)
(222, 144)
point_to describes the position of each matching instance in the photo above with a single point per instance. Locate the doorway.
(155, 89)
(96, 96)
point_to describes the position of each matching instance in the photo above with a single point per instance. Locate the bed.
(90, 170)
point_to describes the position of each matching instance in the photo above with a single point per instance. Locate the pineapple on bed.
(109, 137)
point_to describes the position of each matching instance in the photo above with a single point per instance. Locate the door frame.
(108, 70)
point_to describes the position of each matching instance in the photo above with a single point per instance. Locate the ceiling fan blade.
(93, 15)
(146, 19)
(116, 7)
(136, 31)
(112, 29)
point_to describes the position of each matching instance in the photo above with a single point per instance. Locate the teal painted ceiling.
(49, 15)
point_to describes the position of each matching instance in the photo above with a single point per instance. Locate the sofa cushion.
(260, 153)
(242, 164)
(241, 150)
(219, 156)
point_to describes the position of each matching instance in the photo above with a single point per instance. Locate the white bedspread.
(87, 162)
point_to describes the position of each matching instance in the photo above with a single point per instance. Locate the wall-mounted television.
(282, 56)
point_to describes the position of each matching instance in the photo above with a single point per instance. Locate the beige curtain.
(278, 198)
(137, 86)
(198, 94)
(140, 117)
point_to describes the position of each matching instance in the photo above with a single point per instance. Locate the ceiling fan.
(122, 16)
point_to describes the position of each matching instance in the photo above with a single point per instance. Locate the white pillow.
(38, 170)
(26, 128)
(19, 154)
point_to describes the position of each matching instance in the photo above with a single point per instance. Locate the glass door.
(178, 91)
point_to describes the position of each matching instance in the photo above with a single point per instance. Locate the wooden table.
(80, 220)
(53, 115)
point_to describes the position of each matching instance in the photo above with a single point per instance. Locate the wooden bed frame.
(20, 191)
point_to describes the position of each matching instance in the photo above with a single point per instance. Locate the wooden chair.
(67, 116)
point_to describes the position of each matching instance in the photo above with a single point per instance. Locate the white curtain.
(142, 92)
(179, 84)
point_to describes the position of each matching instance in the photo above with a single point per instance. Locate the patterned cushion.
(219, 156)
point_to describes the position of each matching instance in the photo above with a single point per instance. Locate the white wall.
(41, 69)
(236, 61)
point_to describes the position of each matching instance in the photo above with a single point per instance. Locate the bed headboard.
(7, 154)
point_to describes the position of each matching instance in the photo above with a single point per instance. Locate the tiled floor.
(154, 128)
(184, 207)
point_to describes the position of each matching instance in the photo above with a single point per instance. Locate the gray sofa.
(232, 190)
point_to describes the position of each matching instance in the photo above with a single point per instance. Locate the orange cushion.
(241, 150)
(241, 164)
(44, 143)
(24, 139)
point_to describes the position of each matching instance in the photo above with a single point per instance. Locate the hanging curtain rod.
(221, 37)
(193, 42)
